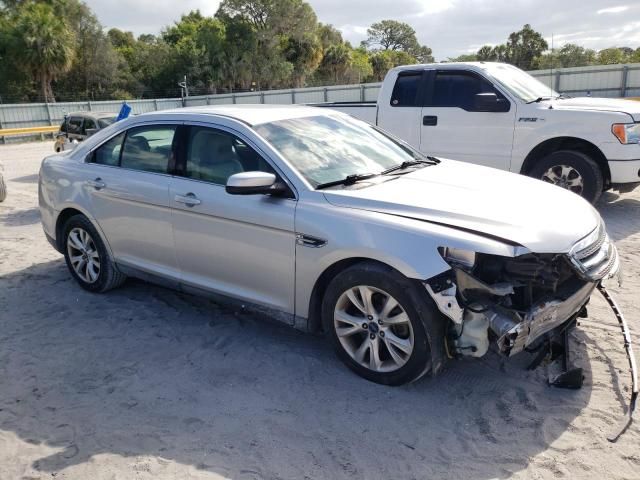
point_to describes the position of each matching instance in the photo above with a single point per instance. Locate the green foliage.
(522, 49)
(570, 55)
(467, 57)
(60, 46)
(524, 46)
(397, 36)
(42, 44)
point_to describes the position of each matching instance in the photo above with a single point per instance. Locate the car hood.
(629, 107)
(539, 216)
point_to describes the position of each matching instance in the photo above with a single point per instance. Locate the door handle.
(429, 120)
(97, 183)
(189, 199)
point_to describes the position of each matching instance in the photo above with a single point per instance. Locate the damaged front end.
(516, 300)
(513, 301)
(524, 302)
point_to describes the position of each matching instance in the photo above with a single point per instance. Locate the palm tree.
(337, 59)
(47, 44)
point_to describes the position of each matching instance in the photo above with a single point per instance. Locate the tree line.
(527, 49)
(57, 50)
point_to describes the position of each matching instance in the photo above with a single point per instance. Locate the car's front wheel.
(375, 326)
(87, 257)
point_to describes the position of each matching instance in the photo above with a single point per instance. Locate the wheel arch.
(68, 212)
(568, 143)
(314, 320)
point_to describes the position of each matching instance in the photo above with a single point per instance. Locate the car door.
(89, 127)
(128, 179)
(75, 128)
(403, 116)
(454, 127)
(241, 246)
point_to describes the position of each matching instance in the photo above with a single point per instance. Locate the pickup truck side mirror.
(489, 102)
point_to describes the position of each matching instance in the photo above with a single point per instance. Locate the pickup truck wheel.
(87, 257)
(573, 171)
(373, 323)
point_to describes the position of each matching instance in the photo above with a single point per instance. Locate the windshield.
(520, 83)
(326, 148)
(105, 122)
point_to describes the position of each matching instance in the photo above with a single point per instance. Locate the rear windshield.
(105, 122)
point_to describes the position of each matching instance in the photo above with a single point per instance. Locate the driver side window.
(214, 155)
(457, 88)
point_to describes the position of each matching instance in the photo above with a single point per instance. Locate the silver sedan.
(328, 224)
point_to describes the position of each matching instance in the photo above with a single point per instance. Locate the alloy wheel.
(83, 255)
(566, 177)
(373, 328)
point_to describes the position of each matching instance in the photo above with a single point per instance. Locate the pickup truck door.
(452, 126)
(403, 116)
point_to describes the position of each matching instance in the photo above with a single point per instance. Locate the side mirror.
(254, 183)
(489, 102)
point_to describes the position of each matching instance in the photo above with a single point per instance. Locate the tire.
(3, 189)
(423, 328)
(560, 168)
(81, 239)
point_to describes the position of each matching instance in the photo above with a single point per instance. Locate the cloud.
(449, 27)
(613, 10)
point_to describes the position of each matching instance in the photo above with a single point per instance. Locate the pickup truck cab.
(497, 115)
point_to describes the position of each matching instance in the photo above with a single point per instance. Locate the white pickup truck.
(497, 115)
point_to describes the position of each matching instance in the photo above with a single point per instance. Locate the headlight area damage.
(529, 302)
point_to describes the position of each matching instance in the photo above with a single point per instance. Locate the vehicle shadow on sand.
(145, 371)
(620, 213)
(18, 218)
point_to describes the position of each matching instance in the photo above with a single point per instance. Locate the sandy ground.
(147, 383)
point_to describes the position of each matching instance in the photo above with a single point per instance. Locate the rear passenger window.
(109, 152)
(88, 125)
(458, 89)
(405, 92)
(148, 149)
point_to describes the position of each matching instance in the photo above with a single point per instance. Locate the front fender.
(409, 246)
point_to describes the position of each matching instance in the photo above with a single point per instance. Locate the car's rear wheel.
(87, 257)
(373, 321)
(573, 171)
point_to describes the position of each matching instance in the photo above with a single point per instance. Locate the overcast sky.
(449, 27)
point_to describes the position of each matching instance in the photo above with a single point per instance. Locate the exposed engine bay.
(524, 302)
(513, 301)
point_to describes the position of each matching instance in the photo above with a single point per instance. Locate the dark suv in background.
(80, 125)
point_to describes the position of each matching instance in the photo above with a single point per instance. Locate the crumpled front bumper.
(540, 319)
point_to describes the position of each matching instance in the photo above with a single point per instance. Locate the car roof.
(93, 114)
(449, 65)
(248, 113)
